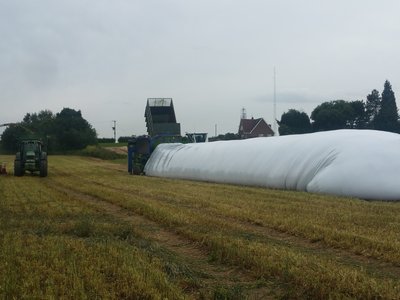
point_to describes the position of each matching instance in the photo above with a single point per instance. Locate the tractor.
(30, 157)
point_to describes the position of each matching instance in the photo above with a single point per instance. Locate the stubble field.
(90, 230)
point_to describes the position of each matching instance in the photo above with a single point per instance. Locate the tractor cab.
(31, 149)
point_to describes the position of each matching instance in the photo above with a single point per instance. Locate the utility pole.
(114, 128)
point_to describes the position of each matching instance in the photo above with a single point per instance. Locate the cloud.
(211, 57)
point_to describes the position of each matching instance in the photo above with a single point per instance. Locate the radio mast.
(275, 125)
(244, 114)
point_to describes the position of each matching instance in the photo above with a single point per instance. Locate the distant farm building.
(160, 117)
(250, 128)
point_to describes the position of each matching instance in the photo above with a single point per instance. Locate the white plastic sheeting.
(357, 163)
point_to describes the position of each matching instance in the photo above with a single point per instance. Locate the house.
(250, 128)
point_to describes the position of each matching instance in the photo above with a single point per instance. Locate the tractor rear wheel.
(43, 168)
(18, 169)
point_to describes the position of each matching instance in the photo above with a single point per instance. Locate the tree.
(35, 125)
(358, 119)
(72, 130)
(338, 114)
(65, 131)
(11, 136)
(388, 117)
(294, 122)
(225, 137)
(372, 107)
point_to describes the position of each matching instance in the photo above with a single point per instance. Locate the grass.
(107, 145)
(299, 244)
(53, 246)
(102, 153)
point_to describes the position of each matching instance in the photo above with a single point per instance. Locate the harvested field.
(90, 230)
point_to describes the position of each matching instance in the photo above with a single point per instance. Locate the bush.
(124, 139)
(105, 140)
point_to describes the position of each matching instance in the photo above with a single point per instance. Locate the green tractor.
(30, 157)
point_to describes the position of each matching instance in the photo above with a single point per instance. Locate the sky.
(213, 58)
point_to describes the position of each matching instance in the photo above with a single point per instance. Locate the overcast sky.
(106, 57)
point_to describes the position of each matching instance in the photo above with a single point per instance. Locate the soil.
(118, 150)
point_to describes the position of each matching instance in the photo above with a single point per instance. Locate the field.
(90, 230)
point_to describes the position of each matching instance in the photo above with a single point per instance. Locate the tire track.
(267, 234)
(215, 275)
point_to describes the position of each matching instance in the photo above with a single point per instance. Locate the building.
(160, 117)
(197, 137)
(250, 128)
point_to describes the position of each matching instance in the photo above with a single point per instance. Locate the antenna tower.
(244, 114)
(275, 129)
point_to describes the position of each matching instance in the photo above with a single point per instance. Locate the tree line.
(63, 131)
(378, 112)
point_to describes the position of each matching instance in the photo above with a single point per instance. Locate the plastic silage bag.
(357, 163)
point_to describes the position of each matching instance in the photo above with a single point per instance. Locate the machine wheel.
(18, 169)
(137, 170)
(43, 156)
(43, 168)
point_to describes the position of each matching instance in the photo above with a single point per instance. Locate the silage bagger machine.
(31, 157)
(162, 128)
(141, 147)
(139, 151)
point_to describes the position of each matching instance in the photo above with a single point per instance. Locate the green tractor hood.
(30, 154)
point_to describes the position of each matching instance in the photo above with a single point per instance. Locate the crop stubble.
(213, 240)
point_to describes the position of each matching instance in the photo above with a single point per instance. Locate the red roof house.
(250, 128)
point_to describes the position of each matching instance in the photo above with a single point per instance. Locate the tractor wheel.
(18, 170)
(43, 156)
(43, 168)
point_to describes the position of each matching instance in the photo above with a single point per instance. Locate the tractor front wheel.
(43, 168)
(18, 169)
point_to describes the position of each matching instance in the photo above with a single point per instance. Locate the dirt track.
(118, 150)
